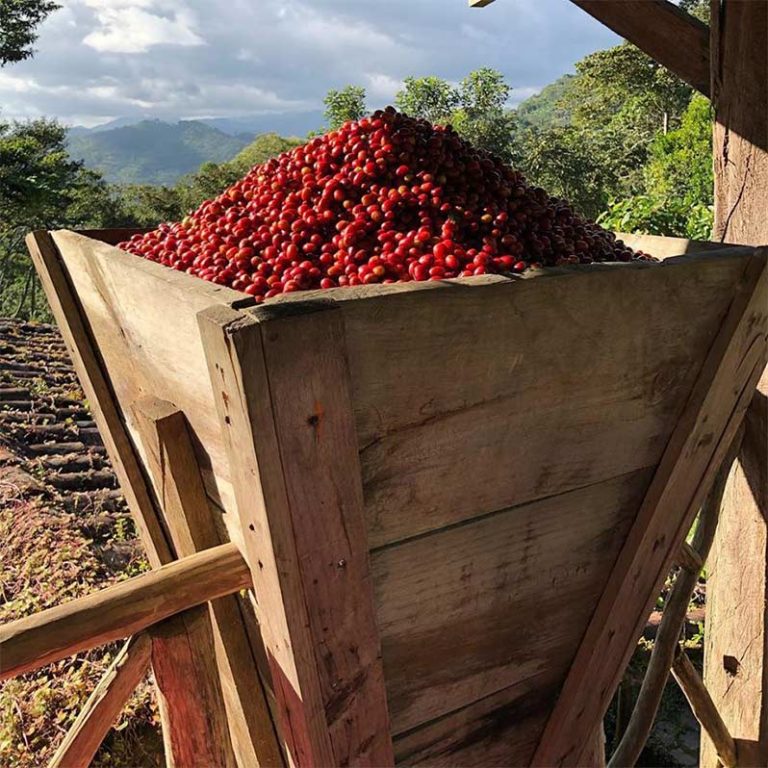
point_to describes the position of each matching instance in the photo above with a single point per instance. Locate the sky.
(97, 60)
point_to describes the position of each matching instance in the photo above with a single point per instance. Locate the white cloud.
(128, 26)
(176, 59)
(381, 88)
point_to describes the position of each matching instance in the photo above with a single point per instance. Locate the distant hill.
(542, 110)
(152, 151)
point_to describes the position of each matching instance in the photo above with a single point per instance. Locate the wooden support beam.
(104, 705)
(705, 710)
(101, 399)
(736, 639)
(694, 453)
(120, 610)
(195, 727)
(672, 621)
(299, 498)
(172, 464)
(677, 40)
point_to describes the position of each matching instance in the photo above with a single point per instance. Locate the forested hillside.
(152, 151)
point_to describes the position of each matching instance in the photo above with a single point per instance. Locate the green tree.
(19, 20)
(41, 187)
(557, 159)
(482, 116)
(677, 196)
(343, 105)
(147, 205)
(430, 98)
(476, 109)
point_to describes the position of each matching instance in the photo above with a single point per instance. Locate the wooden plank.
(120, 610)
(737, 597)
(491, 733)
(535, 412)
(669, 247)
(706, 428)
(740, 46)
(98, 389)
(677, 40)
(705, 710)
(300, 504)
(736, 640)
(172, 465)
(126, 301)
(498, 601)
(104, 705)
(195, 728)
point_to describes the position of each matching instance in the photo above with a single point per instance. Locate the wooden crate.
(457, 500)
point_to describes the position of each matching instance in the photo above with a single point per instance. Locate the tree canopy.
(19, 20)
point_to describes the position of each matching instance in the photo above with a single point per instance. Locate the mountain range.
(152, 151)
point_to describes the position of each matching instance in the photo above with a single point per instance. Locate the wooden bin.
(457, 499)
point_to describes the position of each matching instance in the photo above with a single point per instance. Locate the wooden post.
(736, 646)
(300, 503)
(172, 464)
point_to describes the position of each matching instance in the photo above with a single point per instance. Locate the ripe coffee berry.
(384, 199)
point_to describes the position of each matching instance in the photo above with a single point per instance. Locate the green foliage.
(557, 159)
(677, 196)
(476, 109)
(19, 20)
(546, 109)
(41, 187)
(482, 117)
(146, 205)
(680, 164)
(261, 149)
(430, 98)
(343, 105)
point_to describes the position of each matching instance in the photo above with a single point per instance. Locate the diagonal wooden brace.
(706, 428)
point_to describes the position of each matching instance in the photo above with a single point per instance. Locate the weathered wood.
(677, 40)
(736, 641)
(173, 466)
(418, 421)
(300, 504)
(98, 389)
(594, 757)
(461, 594)
(705, 710)
(675, 610)
(195, 727)
(740, 91)
(415, 422)
(104, 705)
(126, 300)
(120, 610)
(689, 559)
(458, 430)
(697, 447)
